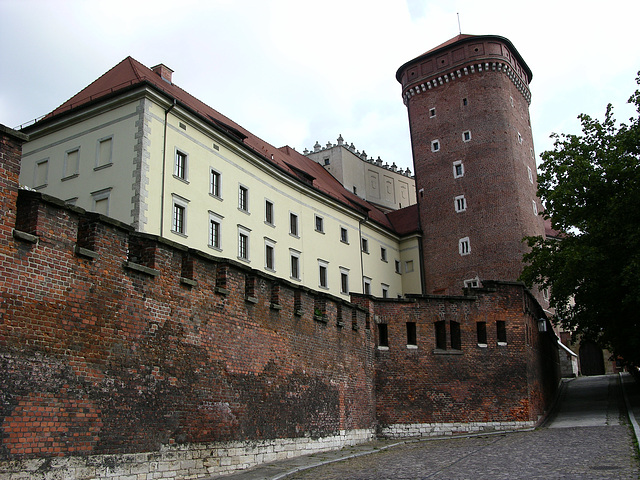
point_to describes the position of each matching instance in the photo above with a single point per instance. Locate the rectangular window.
(269, 254)
(243, 198)
(385, 291)
(398, 270)
(465, 102)
(344, 237)
(71, 163)
(268, 212)
(322, 274)
(441, 335)
(472, 283)
(408, 266)
(179, 213)
(41, 174)
(460, 204)
(295, 264)
(501, 332)
(365, 245)
(535, 207)
(466, 136)
(243, 244)
(180, 167)
(530, 174)
(435, 145)
(319, 224)
(383, 335)
(293, 224)
(367, 285)
(105, 152)
(456, 340)
(412, 336)
(214, 231)
(383, 254)
(214, 183)
(458, 169)
(344, 281)
(464, 247)
(481, 331)
(432, 112)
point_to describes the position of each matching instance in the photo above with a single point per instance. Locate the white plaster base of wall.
(185, 462)
(405, 430)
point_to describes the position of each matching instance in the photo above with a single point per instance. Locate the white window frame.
(455, 170)
(268, 205)
(435, 145)
(98, 165)
(460, 204)
(323, 265)
(472, 283)
(535, 207)
(344, 235)
(177, 170)
(217, 219)
(519, 138)
(530, 174)
(432, 112)
(215, 183)
(244, 232)
(104, 194)
(365, 245)
(466, 136)
(294, 225)
(66, 172)
(344, 281)
(243, 198)
(183, 203)
(294, 254)
(366, 286)
(318, 223)
(269, 245)
(464, 246)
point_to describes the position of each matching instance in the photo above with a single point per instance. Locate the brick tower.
(468, 103)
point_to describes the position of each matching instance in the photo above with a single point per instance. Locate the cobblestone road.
(597, 443)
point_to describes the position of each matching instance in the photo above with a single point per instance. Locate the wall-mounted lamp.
(542, 324)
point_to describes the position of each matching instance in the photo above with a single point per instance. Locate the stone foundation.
(445, 429)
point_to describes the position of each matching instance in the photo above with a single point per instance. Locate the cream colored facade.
(121, 157)
(386, 186)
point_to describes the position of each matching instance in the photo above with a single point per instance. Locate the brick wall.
(124, 356)
(422, 389)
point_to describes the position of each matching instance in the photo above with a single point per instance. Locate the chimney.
(164, 72)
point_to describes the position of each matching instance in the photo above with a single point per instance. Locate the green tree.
(590, 187)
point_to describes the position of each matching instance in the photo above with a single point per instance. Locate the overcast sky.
(296, 71)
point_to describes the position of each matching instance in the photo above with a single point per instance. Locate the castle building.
(468, 105)
(385, 186)
(137, 148)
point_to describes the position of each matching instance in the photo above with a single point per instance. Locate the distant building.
(386, 186)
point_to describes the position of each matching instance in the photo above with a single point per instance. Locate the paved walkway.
(589, 436)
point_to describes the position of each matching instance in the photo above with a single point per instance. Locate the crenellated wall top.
(462, 56)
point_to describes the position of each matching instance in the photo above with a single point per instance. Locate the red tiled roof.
(405, 220)
(130, 73)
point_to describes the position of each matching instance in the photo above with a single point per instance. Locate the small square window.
(408, 266)
(460, 204)
(432, 112)
(344, 236)
(466, 136)
(319, 224)
(464, 247)
(458, 169)
(327, 161)
(180, 167)
(365, 245)
(435, 145)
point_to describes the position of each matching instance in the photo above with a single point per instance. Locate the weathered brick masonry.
(123, 356)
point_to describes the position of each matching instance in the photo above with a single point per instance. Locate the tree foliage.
(590, 187)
